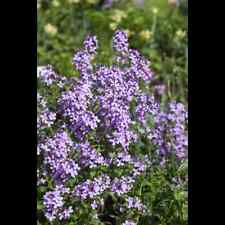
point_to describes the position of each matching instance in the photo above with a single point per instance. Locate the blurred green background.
(157, 28)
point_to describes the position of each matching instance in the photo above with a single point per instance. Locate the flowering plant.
(105, 140)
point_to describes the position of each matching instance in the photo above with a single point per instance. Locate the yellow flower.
(155, 10)
(91, 1)
(50, 29)
(38, 4)
(113, 26)
(55, 3)
(180, 34)
(118, 15)
(73, 1)
(145, 35)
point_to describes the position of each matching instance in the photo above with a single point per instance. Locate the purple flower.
(129, 222)
(89, 157)
(122, 185)
(45, 118)
(122, 158)
(47, 75)
(160, 89)
(91, 45)
(91, 189)
(94, 205)
(104, 107)
(135, 203)
(73, 105)
(82, 61)
(53, 202)
(120, 42)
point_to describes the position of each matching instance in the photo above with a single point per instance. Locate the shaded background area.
(157, 28)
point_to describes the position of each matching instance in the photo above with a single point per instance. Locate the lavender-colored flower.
(53, 202)
(65, 170)
(91, 189)
(160, 89)
(135, 203)
(120, 42)
(65, 213)
(169, 133)
(146, 104)
(94, 204)
(73, 105)
(140, 66)
(47, 75)
(122, 185)
(129, 222)
(114, 106)
(56, 157)
(45, 118)
(89, 157)
(139, 167)
(107, 4)
(91, 45)
(122, 158)
(82, 61)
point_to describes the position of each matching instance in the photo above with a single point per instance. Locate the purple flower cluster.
(169, 133)
(91, 45)
(56, 151)
(120, 42)
(93, 110)
(138, 167)
(73, 105)
(82, 59)
(122, 185)
(47, 75)
(140, 66)
(146, 105)
(92, 188)
(54, 204)
(122, 158)
(135, 203)
(45, 118)
(114, 106)
(89, 157)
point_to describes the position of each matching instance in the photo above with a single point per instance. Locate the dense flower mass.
(54, 205)
(89, 157)
(90, 189)
(86, 147)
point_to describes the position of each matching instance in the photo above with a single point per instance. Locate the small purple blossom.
(91, 189)
(47, 75)
(89, 157)
(122, 185)
(135, 203)
(91, 45)
(160, 89)
(129, 222)
(120, 42)
(53, 202)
